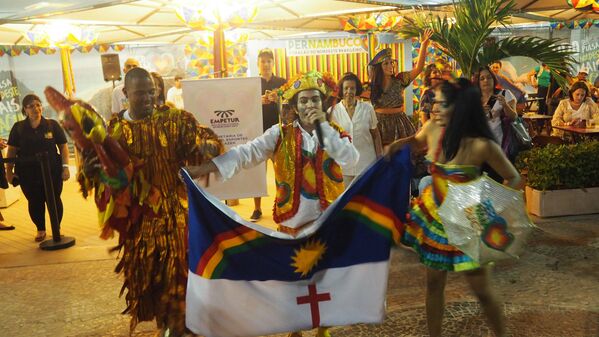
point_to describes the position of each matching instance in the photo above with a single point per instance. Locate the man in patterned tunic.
(149, 210)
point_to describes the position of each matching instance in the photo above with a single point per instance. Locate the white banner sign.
(232, 108)
(341, 45)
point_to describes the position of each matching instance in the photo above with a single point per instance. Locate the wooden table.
(529, 102)
(536, 123)
(579, 133)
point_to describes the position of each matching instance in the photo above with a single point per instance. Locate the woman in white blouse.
(499, 104)
(577, 107)
(500, 107)
(359, 120)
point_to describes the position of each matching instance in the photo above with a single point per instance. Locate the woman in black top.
(28, 137)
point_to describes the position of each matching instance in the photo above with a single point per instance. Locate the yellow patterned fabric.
(296, 172)
(322, 82)
(150, 214)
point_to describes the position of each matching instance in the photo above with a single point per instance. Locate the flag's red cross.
(313, 298)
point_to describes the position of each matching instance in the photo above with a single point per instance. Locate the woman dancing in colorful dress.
(387, 91)
(459, 143)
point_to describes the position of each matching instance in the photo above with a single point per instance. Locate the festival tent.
(156, 21)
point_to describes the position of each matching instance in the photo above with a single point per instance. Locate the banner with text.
(589, 56)
(232, 108)
(326, 46)
(10, 102)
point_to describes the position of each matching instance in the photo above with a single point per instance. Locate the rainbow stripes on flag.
(246, 280)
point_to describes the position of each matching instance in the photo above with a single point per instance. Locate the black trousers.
(542, 94)
(36, 198)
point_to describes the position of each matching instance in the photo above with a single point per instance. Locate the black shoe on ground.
(256, 216)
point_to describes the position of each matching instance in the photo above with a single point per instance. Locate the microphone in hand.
(315, 116)
(319, 133)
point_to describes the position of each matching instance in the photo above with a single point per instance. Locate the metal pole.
(57, 241)
(220, 53)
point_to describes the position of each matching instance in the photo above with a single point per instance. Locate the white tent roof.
(155, 21)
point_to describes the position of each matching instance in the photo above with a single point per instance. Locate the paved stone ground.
(552, 291)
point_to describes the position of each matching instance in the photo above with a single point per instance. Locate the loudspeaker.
(111, 67)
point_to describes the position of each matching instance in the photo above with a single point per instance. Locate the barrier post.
(57, 241)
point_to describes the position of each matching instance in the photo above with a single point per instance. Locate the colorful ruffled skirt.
(424, 231)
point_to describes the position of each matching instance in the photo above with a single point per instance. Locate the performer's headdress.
(322, 82)
(312, 80)
(381, 56)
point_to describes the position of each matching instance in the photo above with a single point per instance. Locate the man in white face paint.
(307, 173)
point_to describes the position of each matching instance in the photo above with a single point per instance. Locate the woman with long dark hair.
(499, 105)
(387, 91)
(459, 143)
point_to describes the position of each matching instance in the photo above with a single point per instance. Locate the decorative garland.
(32, 50)
(582, 24)
(360, 24)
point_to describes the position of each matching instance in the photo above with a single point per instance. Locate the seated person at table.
(577, 107)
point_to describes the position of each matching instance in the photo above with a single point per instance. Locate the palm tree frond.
(466, 38)
(552, 52)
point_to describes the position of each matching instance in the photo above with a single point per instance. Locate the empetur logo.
(224, 113)
(225, 119)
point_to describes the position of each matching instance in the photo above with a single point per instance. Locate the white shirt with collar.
(262, 148)
(358, 127)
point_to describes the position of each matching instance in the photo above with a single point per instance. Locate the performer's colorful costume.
(139, 194)
(308, 177)
(424, 230)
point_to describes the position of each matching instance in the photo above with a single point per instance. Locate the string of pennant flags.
(33, 50)
(576, 24)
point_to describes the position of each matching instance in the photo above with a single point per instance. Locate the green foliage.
(556, 167)
(467, 39)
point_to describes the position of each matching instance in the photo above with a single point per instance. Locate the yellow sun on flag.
(308, 256)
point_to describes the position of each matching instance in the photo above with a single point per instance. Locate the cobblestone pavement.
(552, 291)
